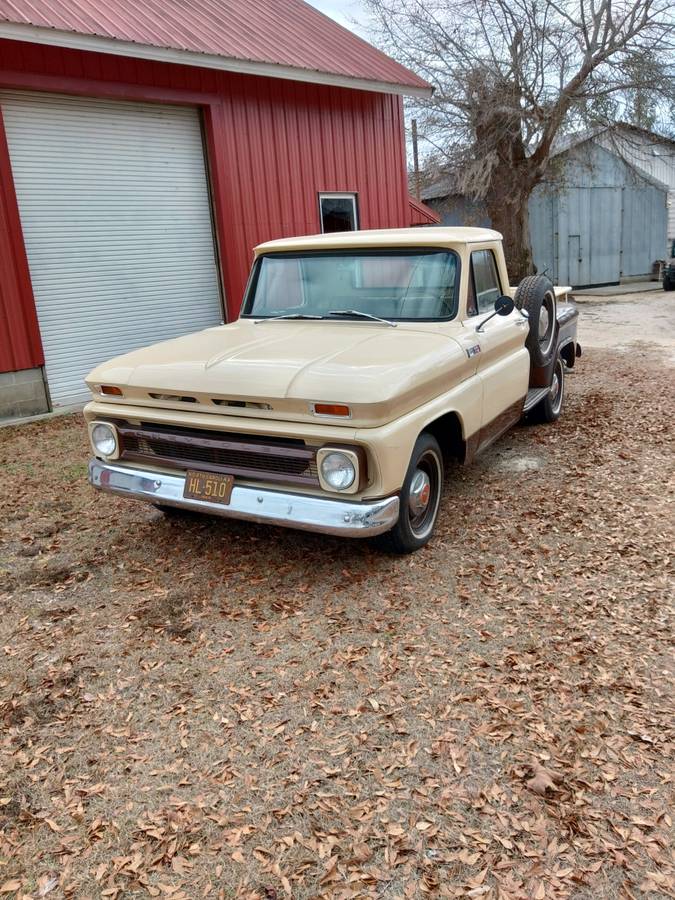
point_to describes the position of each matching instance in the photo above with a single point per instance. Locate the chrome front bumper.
(271, 507)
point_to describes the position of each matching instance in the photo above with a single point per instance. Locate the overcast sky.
(341, 10)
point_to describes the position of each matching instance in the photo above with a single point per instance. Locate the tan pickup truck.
(360, 365)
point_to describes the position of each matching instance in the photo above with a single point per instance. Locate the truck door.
(503, 363)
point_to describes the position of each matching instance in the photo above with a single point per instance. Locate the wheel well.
(447, 430)
(568, 353)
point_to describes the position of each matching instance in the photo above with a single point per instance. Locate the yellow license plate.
(209, 486)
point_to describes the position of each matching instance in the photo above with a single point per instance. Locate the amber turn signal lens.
(111, 389)
(331, 409)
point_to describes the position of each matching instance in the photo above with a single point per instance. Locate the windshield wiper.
(287, 316)
(360, 315)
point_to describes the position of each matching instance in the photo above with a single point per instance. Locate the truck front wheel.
(420, 498)
(549, 409)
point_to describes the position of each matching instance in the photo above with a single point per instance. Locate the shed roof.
(446, 185)
(568, 141)
(288, 39)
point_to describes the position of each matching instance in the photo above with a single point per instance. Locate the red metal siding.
(272, 146)
(20, 345)
(279, 145)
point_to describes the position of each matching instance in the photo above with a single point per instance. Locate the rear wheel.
(549, 409)
(420, 499)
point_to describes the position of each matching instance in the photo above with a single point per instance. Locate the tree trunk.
(507, 206)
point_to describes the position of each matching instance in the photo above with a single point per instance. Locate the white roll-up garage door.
(116, 216)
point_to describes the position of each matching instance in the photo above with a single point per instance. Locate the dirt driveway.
(629, 322)
(210, 709)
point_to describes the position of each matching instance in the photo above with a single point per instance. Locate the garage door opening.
(116, 216)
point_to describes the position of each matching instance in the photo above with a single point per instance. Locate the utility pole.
(416, 160)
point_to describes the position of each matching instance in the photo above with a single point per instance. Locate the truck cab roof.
(386, 238)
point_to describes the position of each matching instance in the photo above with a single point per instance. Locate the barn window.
(338, 212)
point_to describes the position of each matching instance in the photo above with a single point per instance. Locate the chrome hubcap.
(547, 325)
(420, 492)
(424, 494)
(555, 386)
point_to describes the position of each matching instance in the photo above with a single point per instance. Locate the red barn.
(146, 147)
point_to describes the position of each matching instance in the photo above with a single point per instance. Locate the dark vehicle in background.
(668, 271)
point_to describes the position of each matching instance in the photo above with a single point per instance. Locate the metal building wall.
(653, 155)
(605, 224)
(458, 211)
(645, 212)
(278, 144)
(272, 147)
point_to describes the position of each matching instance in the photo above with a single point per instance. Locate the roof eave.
(74, 41)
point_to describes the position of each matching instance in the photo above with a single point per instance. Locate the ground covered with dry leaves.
(211, 709)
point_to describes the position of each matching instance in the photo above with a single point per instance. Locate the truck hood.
(277, 369)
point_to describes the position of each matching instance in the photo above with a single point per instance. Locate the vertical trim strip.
(20, 342)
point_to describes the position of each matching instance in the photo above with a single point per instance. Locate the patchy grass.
(196, 708)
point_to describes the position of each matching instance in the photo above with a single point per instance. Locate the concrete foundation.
(22, 394)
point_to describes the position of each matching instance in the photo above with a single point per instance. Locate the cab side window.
(485, 279)
(471, 305)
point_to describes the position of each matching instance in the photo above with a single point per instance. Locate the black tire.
(535, 294)
(549, 409)
(417, 517)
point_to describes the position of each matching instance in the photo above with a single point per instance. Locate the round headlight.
(338, 471)
(104, 440)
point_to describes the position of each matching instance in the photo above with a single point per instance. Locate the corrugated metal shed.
(648, 152)
(285, 34)
(602, 222)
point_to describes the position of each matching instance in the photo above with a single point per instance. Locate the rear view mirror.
(504, 306)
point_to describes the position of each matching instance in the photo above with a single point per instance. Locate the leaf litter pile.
(199, 708)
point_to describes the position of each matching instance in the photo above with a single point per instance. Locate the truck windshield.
(410, 284)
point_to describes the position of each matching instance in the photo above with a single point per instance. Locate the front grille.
(267, 459)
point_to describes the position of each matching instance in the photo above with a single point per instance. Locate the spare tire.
(535, 294)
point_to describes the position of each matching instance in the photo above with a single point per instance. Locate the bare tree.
(511, 75)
